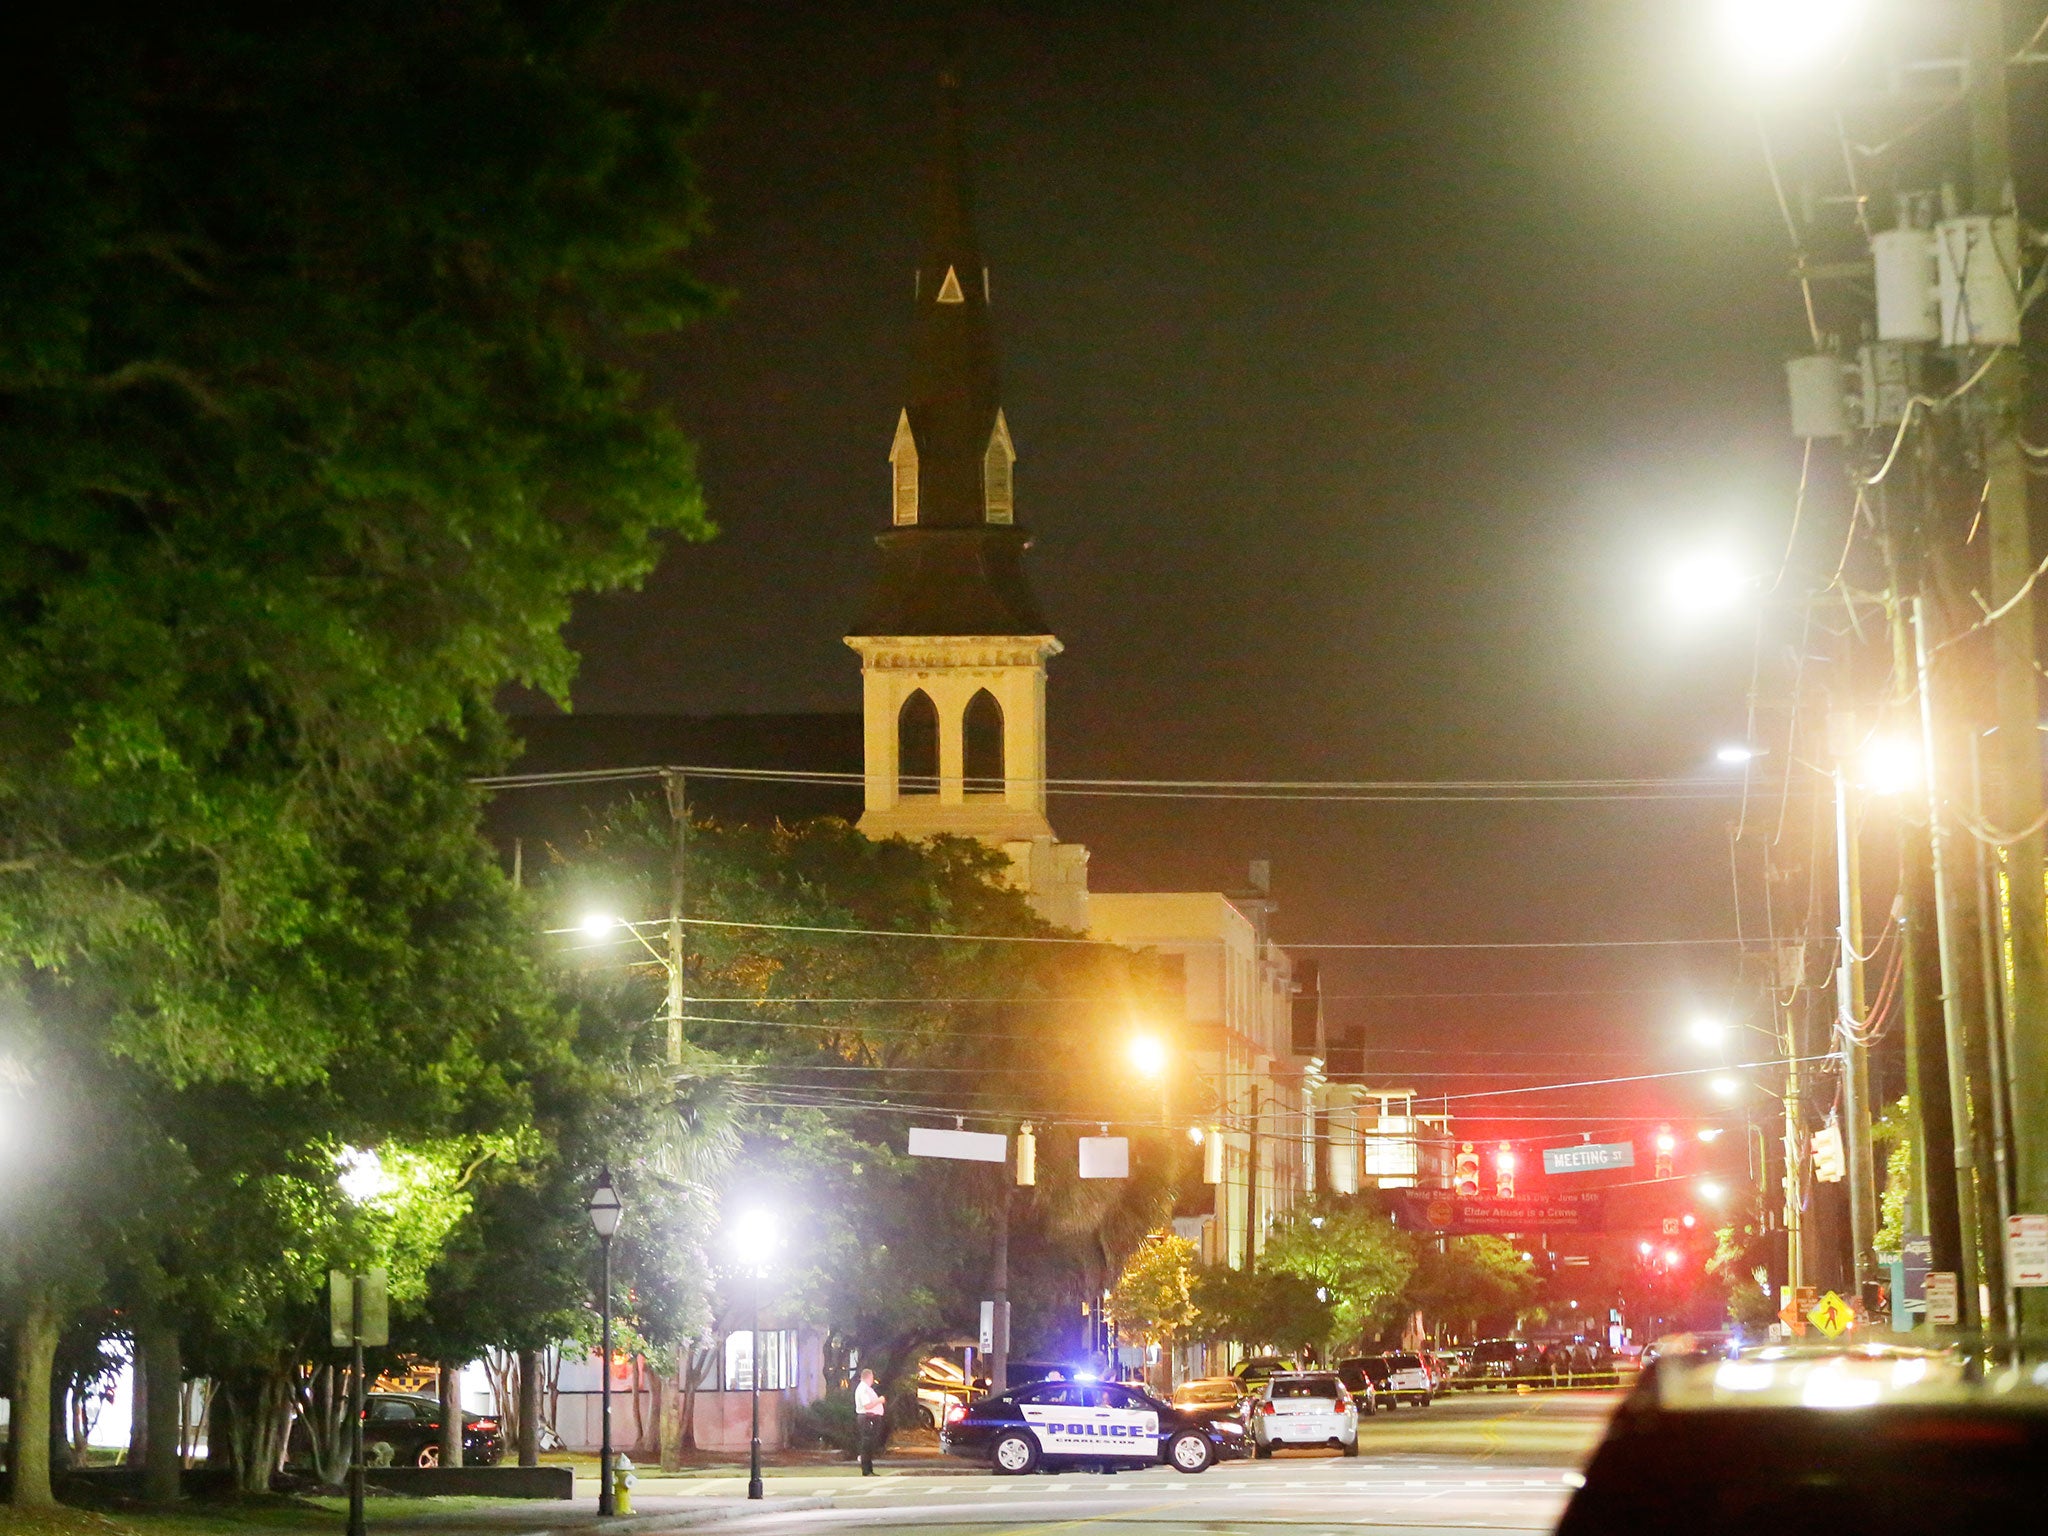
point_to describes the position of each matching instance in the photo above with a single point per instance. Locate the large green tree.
(318, 406)
(1354, 1254)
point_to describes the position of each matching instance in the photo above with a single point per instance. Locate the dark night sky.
(1362, 361)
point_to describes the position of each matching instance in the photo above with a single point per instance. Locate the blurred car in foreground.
(1052, 1425)
(941, 1382)
(1303, 1409)
(1869, 1440)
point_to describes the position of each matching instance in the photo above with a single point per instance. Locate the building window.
(998, 474)
(982, 730)
(778, 1360)
(917, 746)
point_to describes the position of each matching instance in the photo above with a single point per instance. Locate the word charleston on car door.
(1068, 1429)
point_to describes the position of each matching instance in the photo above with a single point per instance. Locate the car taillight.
(489, 1425)
(1265, 1408)
(955, 1412)
(1343, 1403)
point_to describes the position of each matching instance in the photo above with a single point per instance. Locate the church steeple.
(952, 645)
(952, 561)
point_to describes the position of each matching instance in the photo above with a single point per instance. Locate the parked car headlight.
(1226, 1427)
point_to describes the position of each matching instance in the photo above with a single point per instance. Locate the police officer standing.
(869, 1406)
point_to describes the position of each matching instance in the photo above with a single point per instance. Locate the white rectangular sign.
(1105, 1157)
(995, 1327)
(966, 1146)
(1943, 1305)
(2026, 1250)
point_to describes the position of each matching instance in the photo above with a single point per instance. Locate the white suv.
(1303, 1409)
(1409, 1378)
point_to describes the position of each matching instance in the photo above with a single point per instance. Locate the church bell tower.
(952, 644)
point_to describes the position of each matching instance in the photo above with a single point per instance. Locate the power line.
(1437, 791)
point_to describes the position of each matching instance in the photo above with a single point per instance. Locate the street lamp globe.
(604, 1207)
(1706, 583)
(1725, 1087)
(1707, 1030)
(1710, 1191)
(597, 925)
(1889, 765)
(1735, 754)
(1783, 37)
(755, 1235)
(1148, 1055)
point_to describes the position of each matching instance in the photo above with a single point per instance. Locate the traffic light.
(1466, 1180)
(1504, 1172)
(1666, 1145)
(1829, 1165)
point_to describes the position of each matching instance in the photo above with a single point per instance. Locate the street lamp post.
(754, 1237)
(605, 1212)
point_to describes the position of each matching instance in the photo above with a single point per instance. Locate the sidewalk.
(658, 1512)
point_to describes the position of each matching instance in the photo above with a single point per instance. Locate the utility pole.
(1953, 1226)
(1998, 401)
(1849, 1019)
(679, 817)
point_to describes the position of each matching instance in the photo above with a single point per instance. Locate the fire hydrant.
(622, 1485)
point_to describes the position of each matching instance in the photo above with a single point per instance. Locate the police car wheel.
(1190, 1452)
(1015, 1454)
(1262, 1452)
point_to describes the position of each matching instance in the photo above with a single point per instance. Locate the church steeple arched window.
(903, 472)
(981, 731)
(998, 475)
(917, 746)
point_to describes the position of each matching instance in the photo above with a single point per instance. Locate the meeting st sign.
(1590, 1157)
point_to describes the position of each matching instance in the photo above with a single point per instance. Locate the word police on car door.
(1078, 1420)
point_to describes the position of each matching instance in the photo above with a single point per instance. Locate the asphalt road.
(1464, 1464)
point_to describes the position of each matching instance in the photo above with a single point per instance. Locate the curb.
(683, 1520)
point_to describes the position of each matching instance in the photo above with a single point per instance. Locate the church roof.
(952, 571)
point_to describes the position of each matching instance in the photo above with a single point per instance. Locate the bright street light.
(755, 1235)
(1783, 37)
(1725, 1087)
(1735, 754)
(597, 924)
(1708, 1030)
(1710, 1191)
(1148, 1055)
(362, 1177)
(1889, 765)
(1706, 583)
(1711, 1132)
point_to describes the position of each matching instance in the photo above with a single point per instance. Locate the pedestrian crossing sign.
(1831, 1315)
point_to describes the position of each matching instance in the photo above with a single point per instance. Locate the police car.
(1054, 1425)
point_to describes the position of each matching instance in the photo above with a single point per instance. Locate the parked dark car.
(409, 1425)
(1053, 1425)
(1365, 1378)
(1502, 1357)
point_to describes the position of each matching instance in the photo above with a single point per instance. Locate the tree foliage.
(1354, 1254)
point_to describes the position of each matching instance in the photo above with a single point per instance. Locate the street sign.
(341, 1309)
(1671, 1226)
(1831, 1315)
(1590, 1158)
(1944, 1306)
(2026, 1250)
(1105, 1157)
(995, 1327)
(963, 1146)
